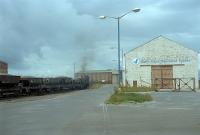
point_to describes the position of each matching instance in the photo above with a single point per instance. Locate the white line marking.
(105, 117)
(177, 108)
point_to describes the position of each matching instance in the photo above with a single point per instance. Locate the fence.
(177, 84)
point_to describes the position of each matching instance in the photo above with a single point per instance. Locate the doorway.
(162, 76)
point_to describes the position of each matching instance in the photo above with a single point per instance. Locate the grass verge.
(136, 89)
(121, 97)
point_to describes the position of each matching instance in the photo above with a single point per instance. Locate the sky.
(46, 37)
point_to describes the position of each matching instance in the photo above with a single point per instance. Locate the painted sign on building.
(162, 60)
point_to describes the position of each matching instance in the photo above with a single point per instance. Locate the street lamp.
(135, 10)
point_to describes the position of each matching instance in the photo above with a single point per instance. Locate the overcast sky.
(45, 37)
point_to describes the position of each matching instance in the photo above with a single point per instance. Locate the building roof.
(99, 71)
(3, 62)
(3, 73)
(163, 37)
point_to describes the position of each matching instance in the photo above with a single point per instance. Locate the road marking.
(178, 108)
(105, 116)
(52, 98)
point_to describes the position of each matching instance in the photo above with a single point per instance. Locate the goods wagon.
(9, 85)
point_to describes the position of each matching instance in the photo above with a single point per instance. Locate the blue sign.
(136, 61)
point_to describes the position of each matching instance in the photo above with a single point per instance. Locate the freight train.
(18, 86)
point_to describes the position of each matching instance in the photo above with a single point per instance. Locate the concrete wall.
(115, 79)
(160, 51)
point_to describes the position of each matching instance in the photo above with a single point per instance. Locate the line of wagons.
(17, 85)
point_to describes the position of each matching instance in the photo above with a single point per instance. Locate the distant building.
(100, 76)
(162, 63)
(3, 67)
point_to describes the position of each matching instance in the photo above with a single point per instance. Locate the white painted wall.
(160, 51)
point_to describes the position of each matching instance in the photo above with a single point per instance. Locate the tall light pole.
(118, 31)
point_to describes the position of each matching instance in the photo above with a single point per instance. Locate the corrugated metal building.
(3, 67)
(100, 76)
(162, 63)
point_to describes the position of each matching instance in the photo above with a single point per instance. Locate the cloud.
(47, 37)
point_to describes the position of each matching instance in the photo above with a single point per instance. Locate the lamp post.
(118, 18)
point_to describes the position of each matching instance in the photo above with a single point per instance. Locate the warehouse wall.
(98, 77)
(101, 76)
(160, 51)
(3, 68)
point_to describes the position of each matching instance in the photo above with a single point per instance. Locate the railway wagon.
(9, 85)
(81, 83)
(57, 83)
(65, 83)
(16, 85)
(32, 85)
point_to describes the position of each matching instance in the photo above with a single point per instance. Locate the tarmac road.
(49, 114)
(83, 113)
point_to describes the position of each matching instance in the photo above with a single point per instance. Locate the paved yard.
(83, 113)
(169, 114)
